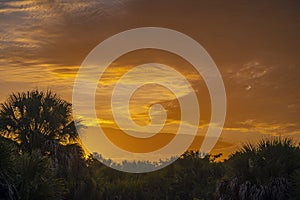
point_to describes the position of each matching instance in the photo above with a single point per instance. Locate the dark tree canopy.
(34, 117)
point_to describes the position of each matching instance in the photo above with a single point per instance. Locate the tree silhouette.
(8, 151)
(262, 171)
(40, 158)
(34, 118)
(35, 178)
(41, 124)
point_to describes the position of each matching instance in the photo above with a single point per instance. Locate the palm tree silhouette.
(41, 126)
(36, 120)
(262, 171)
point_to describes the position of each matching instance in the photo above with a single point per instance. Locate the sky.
(255, 45)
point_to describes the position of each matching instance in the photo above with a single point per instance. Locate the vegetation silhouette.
(41, 158)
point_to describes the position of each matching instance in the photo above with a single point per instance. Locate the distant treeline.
(40, 158)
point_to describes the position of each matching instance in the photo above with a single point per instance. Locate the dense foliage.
(41, 159)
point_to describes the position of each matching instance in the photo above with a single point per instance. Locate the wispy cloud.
(267, 128)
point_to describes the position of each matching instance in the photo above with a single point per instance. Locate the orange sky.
(255, 45)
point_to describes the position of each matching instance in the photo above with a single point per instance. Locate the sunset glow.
(43, 45)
